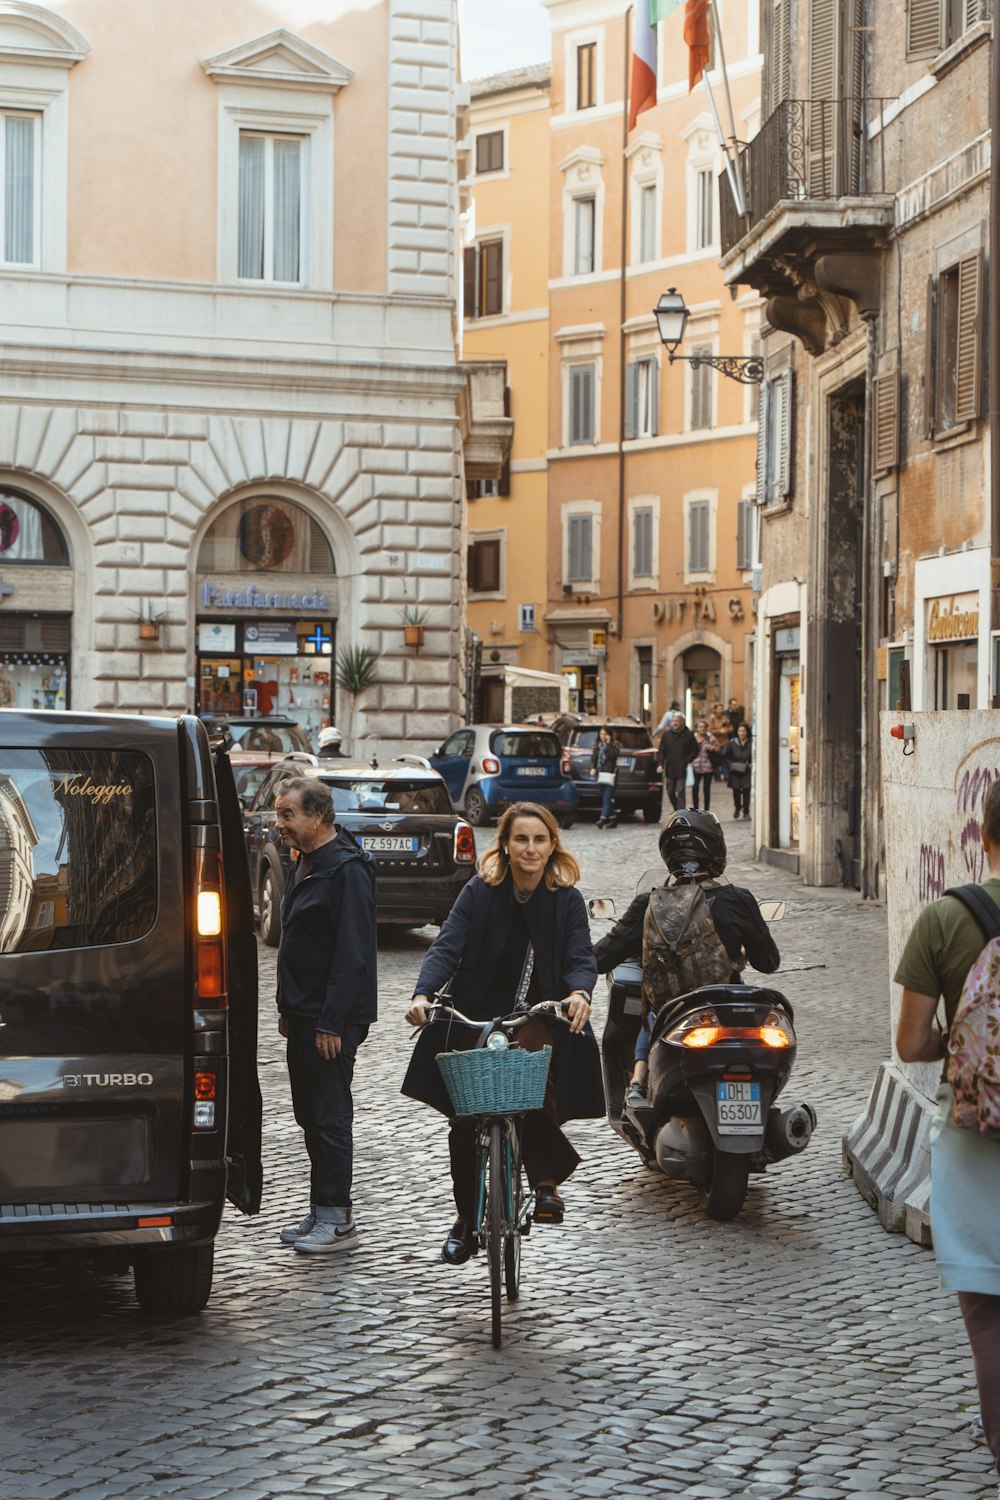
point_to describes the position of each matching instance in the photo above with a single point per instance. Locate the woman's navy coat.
(466, 951)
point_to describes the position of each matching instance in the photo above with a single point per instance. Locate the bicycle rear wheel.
(494, 1227)
(512, 1244)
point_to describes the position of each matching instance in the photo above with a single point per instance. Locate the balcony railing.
(808, 149)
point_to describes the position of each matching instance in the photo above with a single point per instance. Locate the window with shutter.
(579, 549)
(483, 570)
(490, 278)
(584, 221)
(744, 535)
(704, 208)
(19, 202)
(885, 398)
(470, 281)
(489, 152)
(698, 536)
(581, 403)
(777, 53)
(763, 417)
(586, 75)
(823, 19)
(967, 358)
(647, 222)
(631, 414)
(642, 542)
(701, 389)
(923, 27)
(781, 425)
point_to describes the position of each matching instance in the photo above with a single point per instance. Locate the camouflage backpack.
(973, 1067)
(681, 949)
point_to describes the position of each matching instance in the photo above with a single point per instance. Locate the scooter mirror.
(772, 911)
(601, 908)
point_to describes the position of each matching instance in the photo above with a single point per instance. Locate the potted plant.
(149, 621)
(414, 619)
(357, 669)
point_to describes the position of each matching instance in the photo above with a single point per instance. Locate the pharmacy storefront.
(266, 615)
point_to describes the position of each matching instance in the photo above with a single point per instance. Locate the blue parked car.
(486, 767)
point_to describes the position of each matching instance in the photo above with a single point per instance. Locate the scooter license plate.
(738, 1108)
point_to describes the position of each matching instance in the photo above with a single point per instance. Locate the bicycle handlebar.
(514, 1021)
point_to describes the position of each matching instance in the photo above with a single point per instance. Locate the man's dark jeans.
(324, 1109)
(677, 790)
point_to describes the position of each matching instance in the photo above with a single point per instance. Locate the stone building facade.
(232, 416)
(867, 236)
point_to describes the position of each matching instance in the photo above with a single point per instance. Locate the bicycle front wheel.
(494, 1227)
(512, 1243)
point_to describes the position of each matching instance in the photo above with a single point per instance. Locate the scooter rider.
(693, 847)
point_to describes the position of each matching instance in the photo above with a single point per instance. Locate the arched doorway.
(36, 617)
(702, 668)
(266, 613)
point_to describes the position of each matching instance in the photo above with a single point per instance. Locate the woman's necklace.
(522, 896)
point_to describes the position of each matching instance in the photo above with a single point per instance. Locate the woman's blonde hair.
(494, 866)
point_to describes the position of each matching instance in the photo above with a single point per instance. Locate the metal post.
(994, 296)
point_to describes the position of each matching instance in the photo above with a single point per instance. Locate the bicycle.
(498, 1083)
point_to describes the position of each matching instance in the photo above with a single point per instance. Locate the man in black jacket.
(327, 981)
(678, 748)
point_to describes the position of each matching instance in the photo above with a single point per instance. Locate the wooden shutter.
(581, 404)
(701, 389)
(930, 355)
(763, 446)
(504, 488)
(923, 27)
(642, 543)
(484, 565)
(698, 517)
(824, 17)
(968, 364)
(782, 417)
(579, 536)
(491, 269)
(744, 533)
(777, 53)
(975, 10)
(470, 280)
(885, 428)
(631, 399)
(654, 398)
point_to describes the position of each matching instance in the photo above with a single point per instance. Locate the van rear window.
(77, 849)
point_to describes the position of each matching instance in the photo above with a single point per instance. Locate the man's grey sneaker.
(976, 1431)
(327, 1238)
(298, 1231)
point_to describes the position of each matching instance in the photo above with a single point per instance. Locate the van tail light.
(210, 927)
(465, 845)
(491, 767)
(565, 765)
(205, 1086)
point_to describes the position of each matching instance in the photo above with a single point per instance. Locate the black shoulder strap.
(985, 910)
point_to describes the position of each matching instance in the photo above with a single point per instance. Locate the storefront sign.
(217, 637)
(269, 638)
(787, 641)
(250, 598)
(953, 619)
(578, 659)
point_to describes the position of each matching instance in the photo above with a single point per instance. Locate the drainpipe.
(870, 546)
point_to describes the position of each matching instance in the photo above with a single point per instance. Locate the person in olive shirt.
(945, 942)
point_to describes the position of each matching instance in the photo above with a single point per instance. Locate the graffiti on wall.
(932, 882)
(971, 786)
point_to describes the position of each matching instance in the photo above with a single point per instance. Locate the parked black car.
(638, 784)
(402, 814)
(129, 1102)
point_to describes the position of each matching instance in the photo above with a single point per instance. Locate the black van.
(129, 1102)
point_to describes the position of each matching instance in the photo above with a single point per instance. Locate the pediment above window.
(582, 157)
(32, 34)
(280, 58)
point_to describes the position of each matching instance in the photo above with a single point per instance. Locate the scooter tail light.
(491, 767)
(701, 1036)
(775, 1036)
(465, 845)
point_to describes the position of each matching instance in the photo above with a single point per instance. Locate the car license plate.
(378, 843)
(738, 1106)
(626, 762)
(531, 770)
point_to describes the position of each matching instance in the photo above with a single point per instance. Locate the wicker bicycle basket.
(483, 1082)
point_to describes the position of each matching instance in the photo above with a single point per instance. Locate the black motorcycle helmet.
(693, 843)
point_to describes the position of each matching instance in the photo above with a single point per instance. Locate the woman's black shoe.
(460, 1245)
(549, 1207)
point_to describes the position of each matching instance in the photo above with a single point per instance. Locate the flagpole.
(731, 173)
(741, 204)
(623, 312)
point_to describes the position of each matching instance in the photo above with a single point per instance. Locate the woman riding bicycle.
(517, 934)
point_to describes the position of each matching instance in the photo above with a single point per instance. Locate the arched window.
(265, 534)
(28, 534)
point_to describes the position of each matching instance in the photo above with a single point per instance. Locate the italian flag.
(696, 34)
(642, 94)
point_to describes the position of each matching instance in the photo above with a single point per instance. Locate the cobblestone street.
(798, 1351)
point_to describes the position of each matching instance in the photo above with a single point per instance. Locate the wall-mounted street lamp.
(671, 315)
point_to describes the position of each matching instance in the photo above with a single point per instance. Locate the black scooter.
(719, 1058)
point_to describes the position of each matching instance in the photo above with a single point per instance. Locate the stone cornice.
(280, 57)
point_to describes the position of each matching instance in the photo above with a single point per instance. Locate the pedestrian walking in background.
(943, 947)
(719, 725)
(704, 764)
(668, 714)
(738, 757)
(735, 714)
(603, 765)
(678, 748)
(327, 986)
